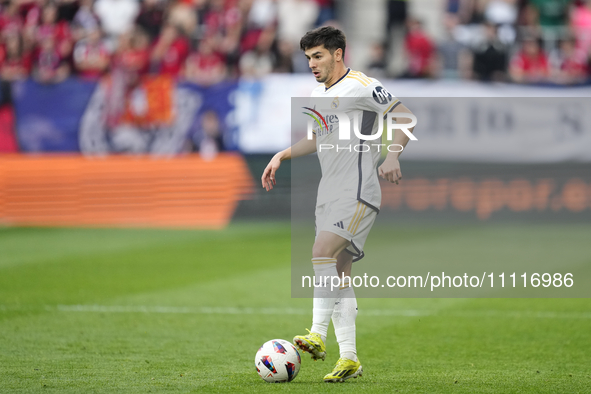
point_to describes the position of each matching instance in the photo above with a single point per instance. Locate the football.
(277, 361)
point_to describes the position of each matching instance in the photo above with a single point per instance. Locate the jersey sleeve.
(374, 97)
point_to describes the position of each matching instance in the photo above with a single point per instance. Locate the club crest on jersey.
(335, 103)
(381, 95)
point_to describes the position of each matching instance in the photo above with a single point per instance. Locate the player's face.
(321, 62)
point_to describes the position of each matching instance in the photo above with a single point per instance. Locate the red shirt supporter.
(14, 62)
(206, 62)
(48, 65)
(534, 67)
(222, 16)
(206, 66)
(170, 52)
(530, 64)
(573, 66)
(133, 53)
(11, 21)
(135, 60)
(568, 65)
(58, 31)
(91, 57)
(420, 51)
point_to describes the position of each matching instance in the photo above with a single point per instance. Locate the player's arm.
(300, 148)
(390, 168)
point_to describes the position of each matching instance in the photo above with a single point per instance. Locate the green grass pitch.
(137, 311)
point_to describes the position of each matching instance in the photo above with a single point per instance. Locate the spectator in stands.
(170, 51)
(58, 31)
(396, 23)
(290, 28)
(210, 140)
(528, 22)
(567, 66)
(206, 66)
(262, 14)
(502, 14)
(66, 9)
(133, 54)
(490, 58)
(224, 21)
(420, 51)
(130, 62)
(11, 20)
(85, 20)
(15, 62)
(284, 57)
(259, 61)
(116, 17)
(453, 58)
(552, 19)
(377, 61)
(151, 17)
(530, 64)
(580, 23)
(462, 11)
(91, 57)
(48, 65)
(326, 12)
(181, 13)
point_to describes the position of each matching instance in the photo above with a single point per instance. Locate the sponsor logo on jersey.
(381, 95)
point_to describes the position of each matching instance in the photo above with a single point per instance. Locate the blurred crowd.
(208, 41)
(521, 41)
(204, 41)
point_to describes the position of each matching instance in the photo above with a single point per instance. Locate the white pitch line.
(301, 311)
(205, 310)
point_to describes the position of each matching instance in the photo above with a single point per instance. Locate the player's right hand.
(268, 178)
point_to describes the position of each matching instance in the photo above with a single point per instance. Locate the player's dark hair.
(331, 37)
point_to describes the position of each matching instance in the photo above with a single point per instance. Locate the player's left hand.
(390, 170)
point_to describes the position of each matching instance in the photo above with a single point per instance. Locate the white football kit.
(349, 194)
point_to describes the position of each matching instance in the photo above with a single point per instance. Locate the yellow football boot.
(344, 370)
(311, 343)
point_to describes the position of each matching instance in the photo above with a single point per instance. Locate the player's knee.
(322, 250)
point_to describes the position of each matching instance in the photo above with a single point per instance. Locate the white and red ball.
(277, 361)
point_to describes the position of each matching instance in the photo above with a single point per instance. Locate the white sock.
(324, 298)
(343, 318)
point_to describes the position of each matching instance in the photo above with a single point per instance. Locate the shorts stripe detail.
(354, 217)
(359, 220)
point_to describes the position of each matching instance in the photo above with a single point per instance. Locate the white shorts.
(349, 219)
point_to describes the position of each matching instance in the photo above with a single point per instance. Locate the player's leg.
(345, 310)
(324, 259)
(343, 319)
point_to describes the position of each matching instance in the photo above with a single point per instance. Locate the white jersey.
(349, 169)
